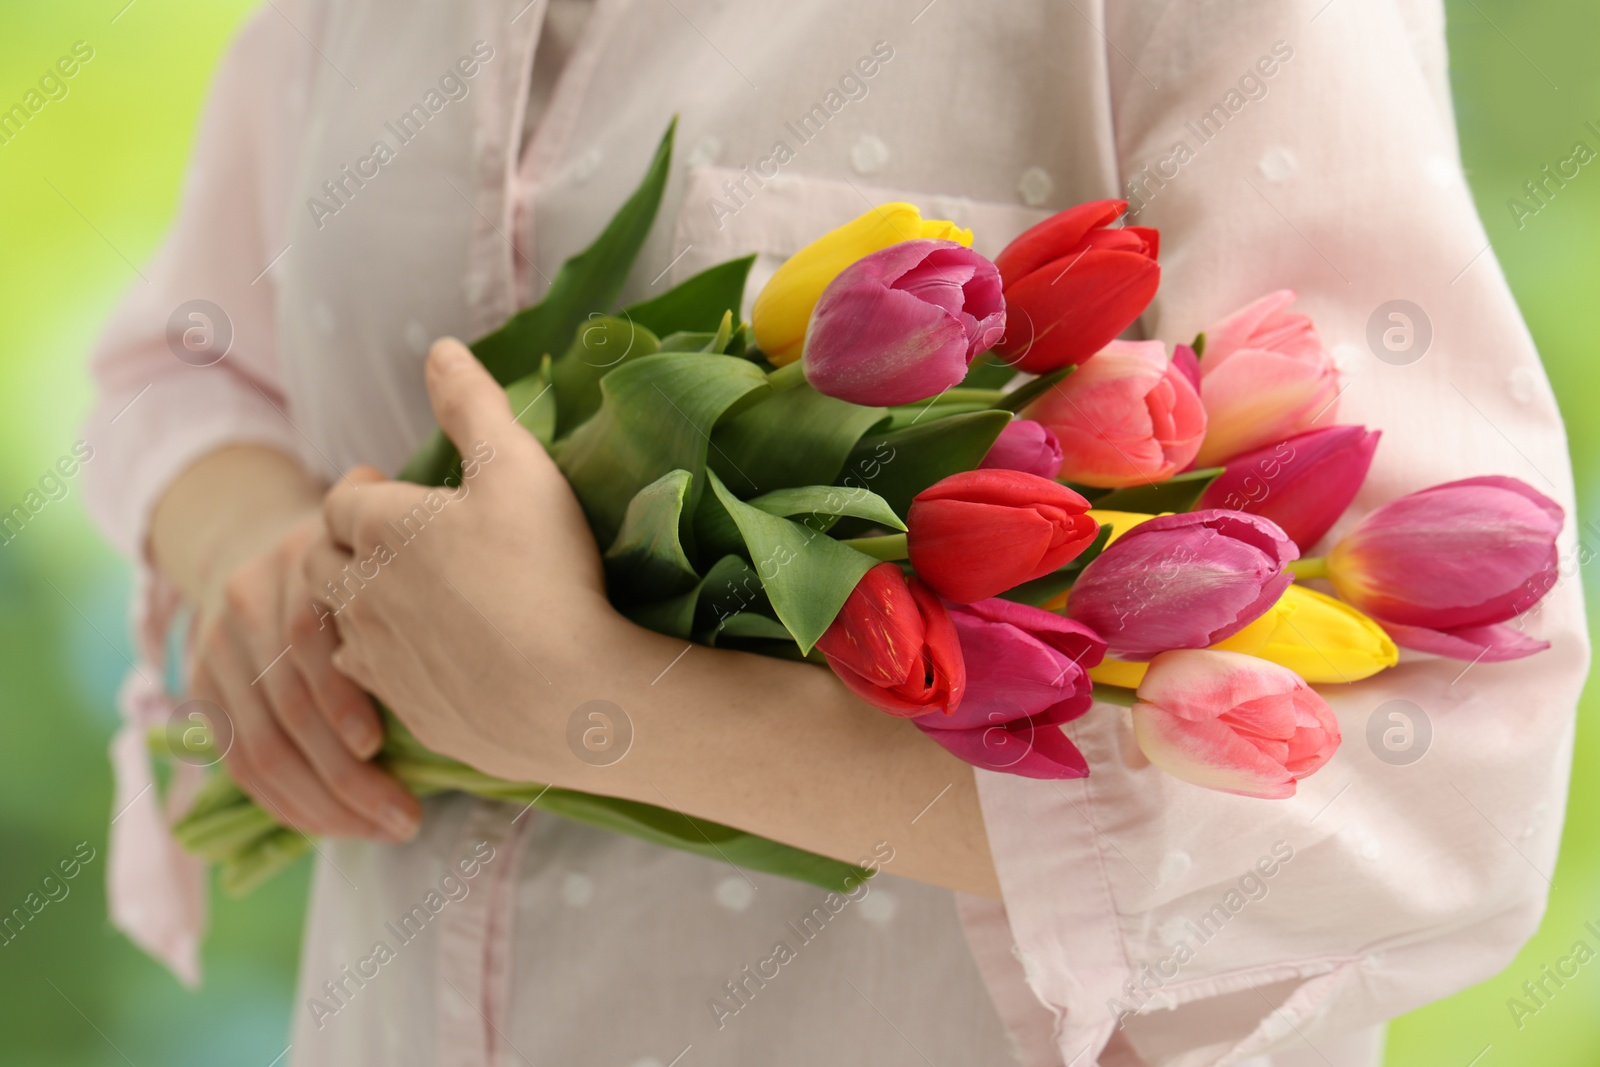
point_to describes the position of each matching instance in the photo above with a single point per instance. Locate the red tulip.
(1027, 674)
(1182, 581)
(1127, 417)
(1233, 723)
(1443, 568)
(978, 533)
(894, 646)
(1072, 284)
(1027, 446)
(903, 323)
(1303, 484)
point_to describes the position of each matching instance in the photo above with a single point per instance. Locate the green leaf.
(1028, 392)
(1199, 344)
(831, 501)
(588, 282)
(1041, 591)
(603, 345)
(988, 371)
(729, 587)
(806, 575)
(900, 464)
(646, 561)
(1116, 694)
(695, 304)
(1178, 493)
(703, 837)
(796, 436)
(656, 415)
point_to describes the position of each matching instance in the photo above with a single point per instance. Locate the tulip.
(1265, 376)
(1129, 416)
(1026, 675)
(1182, 581)
(979, 533)
(1232, 722)
(1321, 639)
(1025, 445)
(1303, 484)
(1074, 284)
(783, 308)
(1443, 568)
(894, 646)
(902, 324)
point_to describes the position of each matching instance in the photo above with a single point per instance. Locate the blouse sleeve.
(188, 364)
(1163, 924)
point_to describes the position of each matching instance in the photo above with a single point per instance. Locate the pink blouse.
(1144, 921)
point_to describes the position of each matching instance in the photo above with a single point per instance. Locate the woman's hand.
(477, 613)
(479, 616)
(302, 733)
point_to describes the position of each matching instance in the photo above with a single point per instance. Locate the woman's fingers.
(268, 766)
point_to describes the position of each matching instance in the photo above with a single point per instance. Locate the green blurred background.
(72, 991)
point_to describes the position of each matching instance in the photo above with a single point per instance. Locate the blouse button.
(1035, 186)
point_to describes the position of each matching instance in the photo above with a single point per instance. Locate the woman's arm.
(481, 619)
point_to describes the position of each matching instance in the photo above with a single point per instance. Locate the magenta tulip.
(1182, 581)
(1027, 673)
(1442, 569)
(1233, 723)
(1303, 484)
(1265, 376)
(1129, 416)
(1027, 446)
(903, 323)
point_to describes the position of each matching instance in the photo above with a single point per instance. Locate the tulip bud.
(1074, 284)
(1442, 568)
(979, 533)
(1027, 446)
(902, 324)
(784, 305)
(1026, 675)
(1182, 581)
(1233, 723)
(1129, 416)
(1303, 484)
(894, 646)
(1265, 376)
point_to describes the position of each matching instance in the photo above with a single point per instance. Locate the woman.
(1317, 152)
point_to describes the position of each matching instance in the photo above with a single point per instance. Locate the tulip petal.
(1491, 644)
(1043, 242)
(1260, 396)
(1303, 484)
(1026, 750)
(1072, 307)
(1208, 754)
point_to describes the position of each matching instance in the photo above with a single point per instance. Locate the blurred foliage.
(88, 188)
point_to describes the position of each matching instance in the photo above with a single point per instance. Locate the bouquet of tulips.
(945, 479)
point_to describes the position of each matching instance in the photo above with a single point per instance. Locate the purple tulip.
(1302, 484)
(903, 323)
(1027, 673)
(1026, 446)
(1182, 581)
(1443, 568)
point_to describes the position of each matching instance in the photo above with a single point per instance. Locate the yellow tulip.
(1323, 640)
(783, 308)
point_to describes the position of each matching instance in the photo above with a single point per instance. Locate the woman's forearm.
(782, 749)
(222, 509)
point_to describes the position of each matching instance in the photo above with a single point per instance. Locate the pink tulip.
(1443, 568)
(1266, 376)
(1233, 723)
(1027, 446)
(1182, 581)
(903, 323)
(1129, 416)
(1027, 673)
(1303, 484)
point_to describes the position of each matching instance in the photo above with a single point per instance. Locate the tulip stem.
(1309, 567)
(787, 376)
(889, 547)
